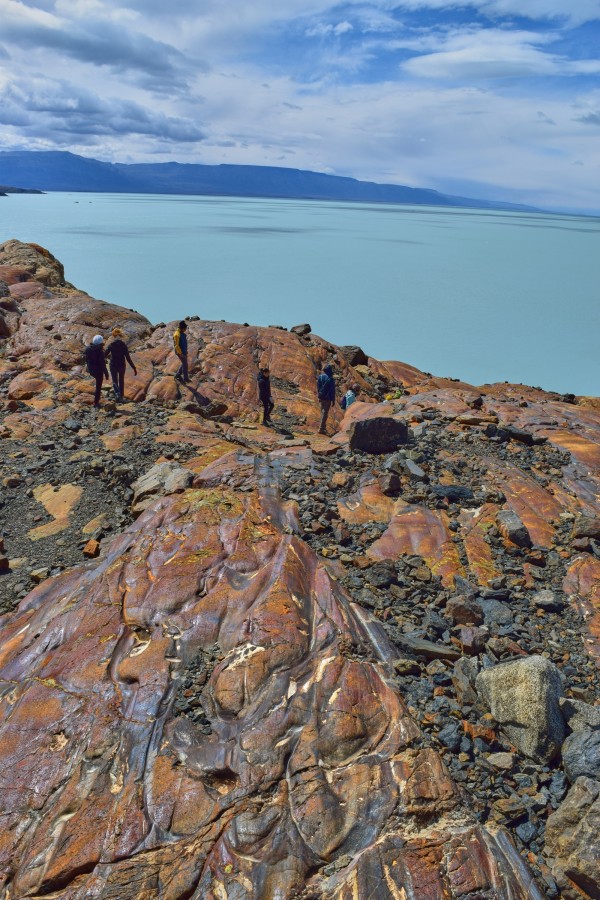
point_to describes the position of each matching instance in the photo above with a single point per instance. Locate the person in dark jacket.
(96, 364)
(264, 394)
(326, 394)
(181, 349)
(118, 354)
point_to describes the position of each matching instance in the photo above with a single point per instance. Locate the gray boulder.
(581, 755)
(163, 478)
(573, 842)
(380, 434)
(523, 696)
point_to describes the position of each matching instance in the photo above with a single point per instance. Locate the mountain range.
(64, 171)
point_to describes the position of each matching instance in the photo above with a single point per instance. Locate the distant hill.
(62, 171)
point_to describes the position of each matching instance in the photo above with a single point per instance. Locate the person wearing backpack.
(264, 394)
(326, 395)
(181, 349)
(119, 354)
(95, 361)
(349, 397)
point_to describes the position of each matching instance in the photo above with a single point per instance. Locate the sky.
(491, 99)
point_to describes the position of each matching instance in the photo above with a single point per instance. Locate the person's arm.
(106, 375)
(130, 361)
(108, 351)
(176, 344)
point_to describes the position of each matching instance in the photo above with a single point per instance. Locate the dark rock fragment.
(378, 435)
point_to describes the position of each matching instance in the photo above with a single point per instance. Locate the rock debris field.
(248, 662)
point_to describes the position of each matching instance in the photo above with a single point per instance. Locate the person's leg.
(325, 407)
(271, 407)
(179, 372)
(184, 367)
(121, 382)
(114, 375)
(265, 406)
(99, 379)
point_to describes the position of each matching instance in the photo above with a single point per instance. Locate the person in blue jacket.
(326, 395)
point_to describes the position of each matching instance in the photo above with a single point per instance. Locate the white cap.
(97, 339)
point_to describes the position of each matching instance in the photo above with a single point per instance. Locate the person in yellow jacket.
(181, 349)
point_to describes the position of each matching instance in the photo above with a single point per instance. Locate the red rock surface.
(306, 774)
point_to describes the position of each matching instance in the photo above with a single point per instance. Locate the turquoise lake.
(471, 294)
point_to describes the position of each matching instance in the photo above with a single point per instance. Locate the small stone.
(91, 549)
(581, 755)
(407, 667)
(39, 575)
(390, 484)
(4, 563)
(463, 611)
(513, 529)
(548, 601)
(504, 761)
(472, 639)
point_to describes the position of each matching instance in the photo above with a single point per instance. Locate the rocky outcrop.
(245, 661)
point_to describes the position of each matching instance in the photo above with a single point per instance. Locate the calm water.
(482, 296)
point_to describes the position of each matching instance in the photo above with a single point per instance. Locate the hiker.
(349, 397)
(181, 349)
(119, 354)
(326, 394)
(96, 364)
(264, 394)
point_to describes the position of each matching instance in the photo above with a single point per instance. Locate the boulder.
(573, 842)
(378, 435)
(354, 356)
(301, 329)
(523, 696)
(581, 755)
(163, 478)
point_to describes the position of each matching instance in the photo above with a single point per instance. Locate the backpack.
(322, 382)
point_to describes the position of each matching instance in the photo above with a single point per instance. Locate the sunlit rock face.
(245, 694)
(305, 753)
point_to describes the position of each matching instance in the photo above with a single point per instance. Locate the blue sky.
(497, 99)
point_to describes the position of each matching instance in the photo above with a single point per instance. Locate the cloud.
(57, 108)
(323, 30)
(97, 42)
(481, 54)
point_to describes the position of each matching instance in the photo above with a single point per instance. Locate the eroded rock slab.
(310, 753)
